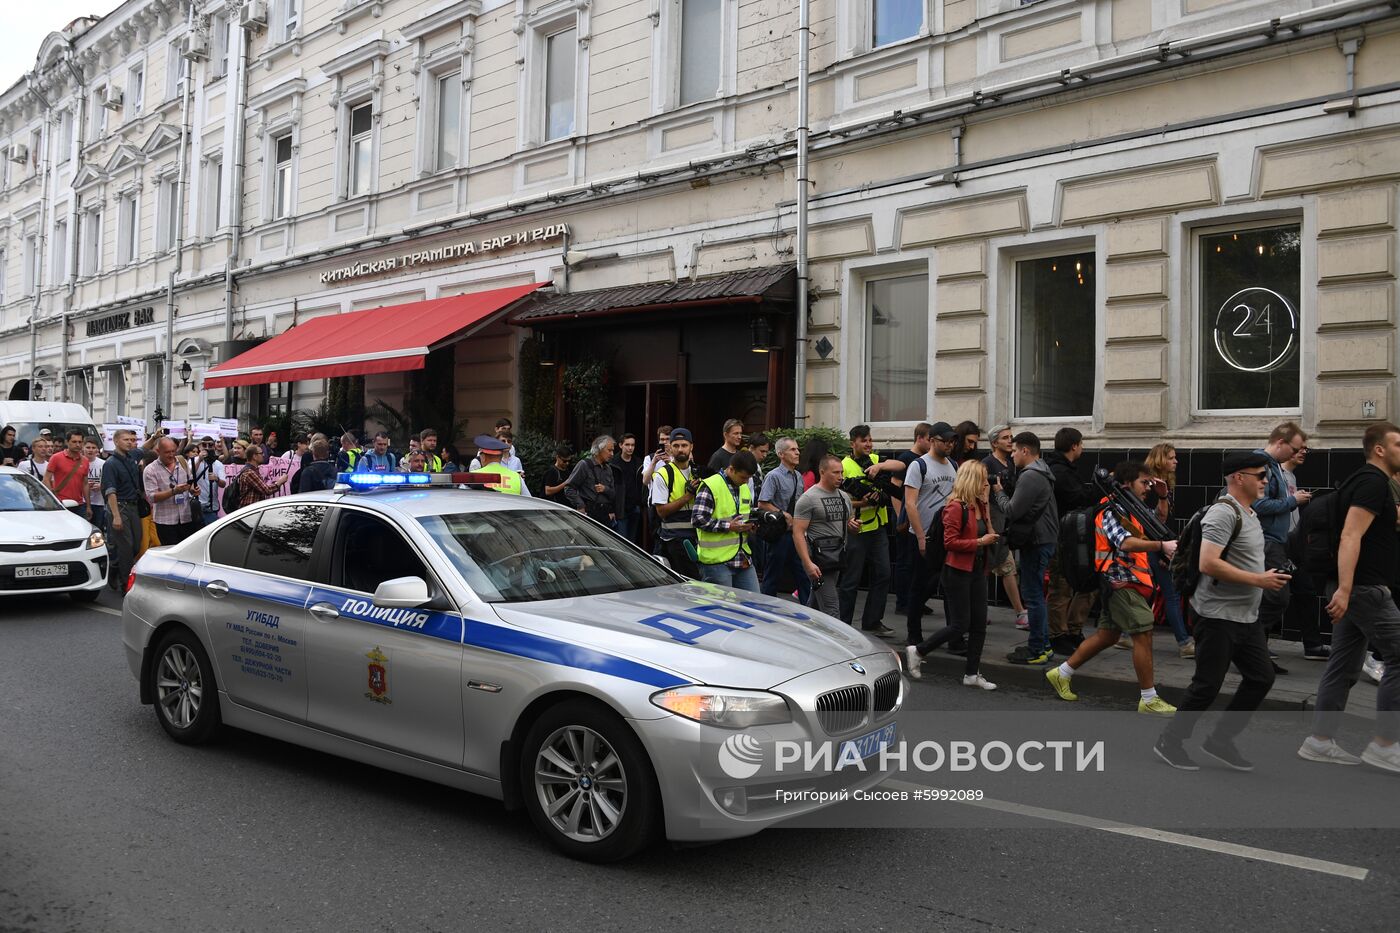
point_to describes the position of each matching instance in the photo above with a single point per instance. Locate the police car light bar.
(404, 480)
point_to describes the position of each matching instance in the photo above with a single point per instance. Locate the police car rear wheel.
(588, 784)
(182, 682)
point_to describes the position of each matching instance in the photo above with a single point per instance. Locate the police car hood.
(702, 632)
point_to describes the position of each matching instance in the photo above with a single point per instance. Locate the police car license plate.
(41, 571)
(871, 743)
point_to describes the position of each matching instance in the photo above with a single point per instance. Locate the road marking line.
(107, 609)
(1159, 835)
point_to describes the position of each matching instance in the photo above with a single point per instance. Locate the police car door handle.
(325, 612)
(217, 589)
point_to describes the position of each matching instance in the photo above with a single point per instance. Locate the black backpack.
(1186, 562)
(232, 493)
(935, 551)
(1075, 548)
(1313, 542)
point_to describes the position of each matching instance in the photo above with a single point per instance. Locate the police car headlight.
(95, 540)
(724, 707)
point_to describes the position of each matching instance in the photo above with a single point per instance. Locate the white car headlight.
(96, 540)
(724, 706)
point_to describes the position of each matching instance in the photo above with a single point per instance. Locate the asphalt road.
(107, 825)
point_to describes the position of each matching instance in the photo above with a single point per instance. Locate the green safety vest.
(510, 483)
(718, 547)
(871, 517)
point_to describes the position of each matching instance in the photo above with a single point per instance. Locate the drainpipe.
(74, 215)
(235, 220)
(61, 388)
(178, 205)
(804, 41)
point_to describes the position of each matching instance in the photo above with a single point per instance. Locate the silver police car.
(510, 647)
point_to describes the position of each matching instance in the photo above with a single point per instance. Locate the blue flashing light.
(380, 480)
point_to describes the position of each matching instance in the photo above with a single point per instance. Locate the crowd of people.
(940, 518)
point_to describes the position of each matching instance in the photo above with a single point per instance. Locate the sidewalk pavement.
(1111, 673)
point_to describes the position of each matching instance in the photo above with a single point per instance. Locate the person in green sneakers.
(1121, 548)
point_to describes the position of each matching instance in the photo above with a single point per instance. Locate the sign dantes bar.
(443, 253)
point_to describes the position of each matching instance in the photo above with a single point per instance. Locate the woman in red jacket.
(967, 533)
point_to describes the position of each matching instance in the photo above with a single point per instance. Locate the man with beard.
(673, 494)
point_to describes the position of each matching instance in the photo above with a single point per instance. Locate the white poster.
(175, 429)
(228, 427)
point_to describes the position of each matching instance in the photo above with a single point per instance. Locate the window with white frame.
(288, 19)
(213, 184)
(135, 89)
(91, 236)
(282, 176)
(220, 39)
(447, 122)
(128, 228)
(116, 392)
(4, 273)
(175, 67)
(701, 46)
(1248, 353)
(359, 151)
(167, 213)
(155, 384)
(79, 388)
(560, 82)
(896, 347)
(31, 263)
(65, 135)
(893, 20)
(99, 113)
(1054, 339)
(36, 149)
(58, 246)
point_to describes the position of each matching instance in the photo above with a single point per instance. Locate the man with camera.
(673, 489)
(209, 479)
(724, 513)
(821, 525)
(1228, 629)
(782, 487)
(870, 545)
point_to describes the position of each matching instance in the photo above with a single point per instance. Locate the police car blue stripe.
(446, 627)
(529, 645)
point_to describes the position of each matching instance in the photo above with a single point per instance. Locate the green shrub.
(837, 440)
(536, 453)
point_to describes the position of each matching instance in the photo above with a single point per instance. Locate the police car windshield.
(25, 494)
(524, 555)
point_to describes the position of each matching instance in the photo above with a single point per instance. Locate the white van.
(29, 418)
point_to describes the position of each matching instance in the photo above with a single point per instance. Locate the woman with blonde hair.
(1161, 463)
(967, 536)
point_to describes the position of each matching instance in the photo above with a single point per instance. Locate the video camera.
(771, 526)
(698, 474)
(1130, 504)
(858, 487)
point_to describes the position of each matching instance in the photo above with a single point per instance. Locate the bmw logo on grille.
(857, 668)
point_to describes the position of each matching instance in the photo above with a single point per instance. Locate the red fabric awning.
(392, 339)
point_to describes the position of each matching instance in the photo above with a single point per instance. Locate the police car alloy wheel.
(588, 784)
(182, 682)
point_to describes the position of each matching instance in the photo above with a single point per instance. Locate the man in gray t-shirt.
(1226, 601)
(824, 514)
(928, 481)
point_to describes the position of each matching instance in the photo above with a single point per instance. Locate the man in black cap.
(927, 483)
(1226, 604)
(673, 488)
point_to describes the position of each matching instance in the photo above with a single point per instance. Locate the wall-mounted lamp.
(549, 348)
(186, 372)
(761, 330)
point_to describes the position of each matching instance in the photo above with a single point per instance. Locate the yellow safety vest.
(510, 483)
(872, 518)
(680, 520)
(718, 547)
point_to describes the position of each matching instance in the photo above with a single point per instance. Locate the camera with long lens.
(698, 474)
(858, 487)
(771, 526)
(1130, 504)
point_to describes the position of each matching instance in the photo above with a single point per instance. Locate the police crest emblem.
(378, 674)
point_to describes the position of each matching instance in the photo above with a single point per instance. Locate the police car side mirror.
(661, 559)
(69, 503)
(402, 593)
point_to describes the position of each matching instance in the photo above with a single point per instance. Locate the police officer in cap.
(491, 452)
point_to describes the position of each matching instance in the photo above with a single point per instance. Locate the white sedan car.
(44, 548)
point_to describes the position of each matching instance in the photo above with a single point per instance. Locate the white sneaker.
(1328, 752)
(1373, 669)
(977, 680)
(1385, 757)
(912, 660)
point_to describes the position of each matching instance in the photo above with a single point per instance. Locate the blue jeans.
(725, 575)
(1034, 559)
(1170, 598)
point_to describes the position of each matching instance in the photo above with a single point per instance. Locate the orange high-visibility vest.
(1135, 562)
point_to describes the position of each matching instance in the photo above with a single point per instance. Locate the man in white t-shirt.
(927, 483)
(37, 463)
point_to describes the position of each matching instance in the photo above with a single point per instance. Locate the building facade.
(1148, 219)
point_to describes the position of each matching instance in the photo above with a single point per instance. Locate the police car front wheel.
(182, 682)
(588, 783)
